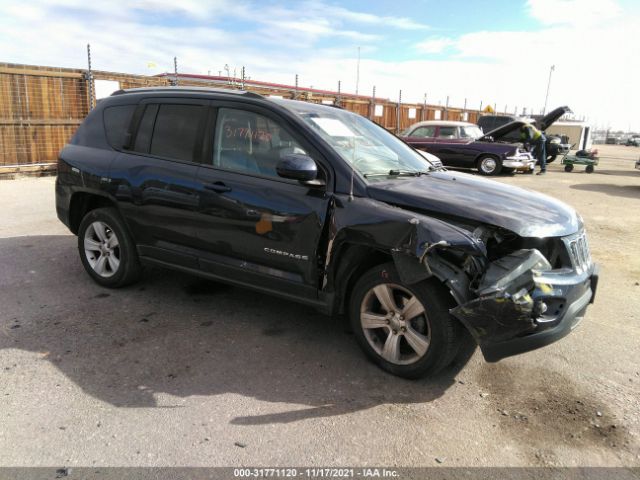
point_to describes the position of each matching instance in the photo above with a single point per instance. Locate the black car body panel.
(306, 241)
(464, 196)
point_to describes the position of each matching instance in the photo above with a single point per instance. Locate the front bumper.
(574, 297)
(519, 162)
(527, 309)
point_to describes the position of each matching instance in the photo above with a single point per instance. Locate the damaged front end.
(514, 294)
(522, 294)
(523, 303)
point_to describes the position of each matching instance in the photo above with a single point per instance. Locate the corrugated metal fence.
(41, 107)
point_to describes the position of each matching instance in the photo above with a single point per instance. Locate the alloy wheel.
(395, 324)
(102, 248)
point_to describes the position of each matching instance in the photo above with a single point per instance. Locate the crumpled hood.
(526, 213)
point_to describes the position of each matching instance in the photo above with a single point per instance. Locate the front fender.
(403, 234)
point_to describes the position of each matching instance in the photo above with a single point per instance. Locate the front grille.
(578, 249)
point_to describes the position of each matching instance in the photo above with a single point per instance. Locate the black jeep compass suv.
(322, 206)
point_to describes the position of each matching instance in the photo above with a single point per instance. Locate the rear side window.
(424, 132)
(175, 131)
(448, 132)
(117, 120)
(143, 137)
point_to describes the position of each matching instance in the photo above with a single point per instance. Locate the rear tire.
(489, 165)
(420, 345)
(107, 252)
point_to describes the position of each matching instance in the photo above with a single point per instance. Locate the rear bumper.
(577, 297)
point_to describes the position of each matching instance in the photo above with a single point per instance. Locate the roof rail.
(186, 90)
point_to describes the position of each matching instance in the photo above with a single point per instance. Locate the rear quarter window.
(117, 120)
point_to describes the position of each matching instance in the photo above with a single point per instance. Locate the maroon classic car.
(461, 144)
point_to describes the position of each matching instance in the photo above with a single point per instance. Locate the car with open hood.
(462, 145)
(321, 206)
(506, 128)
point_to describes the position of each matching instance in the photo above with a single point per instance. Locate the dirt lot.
(177, 371)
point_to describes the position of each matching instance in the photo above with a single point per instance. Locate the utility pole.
(544, 110)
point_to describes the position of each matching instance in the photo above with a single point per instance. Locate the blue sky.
(495, 51)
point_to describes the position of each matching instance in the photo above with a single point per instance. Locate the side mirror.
(297, 166)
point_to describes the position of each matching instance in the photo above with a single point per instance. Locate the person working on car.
(531, 135)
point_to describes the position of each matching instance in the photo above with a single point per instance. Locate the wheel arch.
(83, 202)
(353, 260)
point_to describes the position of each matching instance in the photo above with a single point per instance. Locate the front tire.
(106, 250)
(489, 165)
(405, 329)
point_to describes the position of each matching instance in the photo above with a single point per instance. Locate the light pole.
(544, 110)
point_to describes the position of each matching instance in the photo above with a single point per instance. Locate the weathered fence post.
(372, 106)
(398, 109)
(89, 77)
(424, 108)
(175, 71)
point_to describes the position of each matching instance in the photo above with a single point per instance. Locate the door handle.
(217, 187)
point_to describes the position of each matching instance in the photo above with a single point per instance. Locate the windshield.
(470, 132)
(370, 149)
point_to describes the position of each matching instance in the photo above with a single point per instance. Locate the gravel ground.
(175, 371)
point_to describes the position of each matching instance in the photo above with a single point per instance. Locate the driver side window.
(250, 143)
